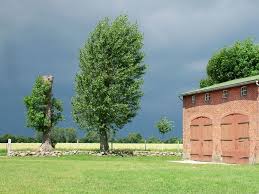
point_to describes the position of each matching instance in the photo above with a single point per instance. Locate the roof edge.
(217, 88)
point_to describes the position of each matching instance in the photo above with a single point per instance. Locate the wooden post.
(77, 143)
(9, 147)
(163, 137)
(178, 146)
(145, 145)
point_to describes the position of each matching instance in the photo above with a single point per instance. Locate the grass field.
(91, 174)
(95, 146)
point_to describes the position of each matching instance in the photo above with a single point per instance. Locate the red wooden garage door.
(201, 139)
(235, 139)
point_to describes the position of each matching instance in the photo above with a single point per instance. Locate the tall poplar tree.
(108, 84)
(43, 111)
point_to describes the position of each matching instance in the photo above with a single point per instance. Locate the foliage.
(164, 125)
(174, 140)
(37, 104)
(70, 135)
(91, 137)
(59, 135)
(108, 85)
(206, 82)
(153, 140)
(237, 61)
(131, 138)
(63, 135)
(16, 139)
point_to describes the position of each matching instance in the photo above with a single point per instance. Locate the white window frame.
(207, 97)
(243, 91)
(193, 99)
(225, 94)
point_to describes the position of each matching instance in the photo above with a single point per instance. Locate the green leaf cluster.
(59, 135)
(131, 138)
(37, 105)
(237, 61)
(108, 85)
(164, 125)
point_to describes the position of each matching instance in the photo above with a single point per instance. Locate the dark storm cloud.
(40, 37)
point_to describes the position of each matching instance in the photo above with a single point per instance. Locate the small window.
(207, 97)
(243, 91)
(193, 99)
(225, 94)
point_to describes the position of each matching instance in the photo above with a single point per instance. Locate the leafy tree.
(43, 111)
(4, 138)
(22, 139)
(237, 61)
(91, 137)
(134, 138)
(16, 139)
(59, 135)
(131, 138)
(70, 135)
(153, 140)
(108, 85)
(173, 140)
(53, 137)
(38, 137)
(164, 126)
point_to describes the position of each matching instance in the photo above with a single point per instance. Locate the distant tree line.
(68, 135)
(17, 139)
(58, 135)
(93, 137)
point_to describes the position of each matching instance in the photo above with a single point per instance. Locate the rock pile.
(122, 153)
(156, 153)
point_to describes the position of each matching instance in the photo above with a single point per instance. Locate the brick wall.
(217, 109)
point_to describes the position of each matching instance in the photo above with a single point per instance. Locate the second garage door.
(235, 141)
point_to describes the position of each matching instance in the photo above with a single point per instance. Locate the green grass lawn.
(91, 174)
(3, 152)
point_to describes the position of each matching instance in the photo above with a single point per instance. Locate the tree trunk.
(46, 142)
(104, 146)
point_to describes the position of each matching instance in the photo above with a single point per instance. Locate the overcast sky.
(44, 37)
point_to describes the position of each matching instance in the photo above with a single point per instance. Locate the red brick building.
(221, 122)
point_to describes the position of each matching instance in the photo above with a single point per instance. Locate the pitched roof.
(224, 85)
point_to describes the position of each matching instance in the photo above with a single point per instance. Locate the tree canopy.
(164, 125)
(108, 85)
(237, 61)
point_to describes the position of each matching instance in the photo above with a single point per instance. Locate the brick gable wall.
(216, 110)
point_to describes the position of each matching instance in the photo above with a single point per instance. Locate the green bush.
(153, 140)
(60, 135)
(173, 140)
(91, 137)
(131, 138)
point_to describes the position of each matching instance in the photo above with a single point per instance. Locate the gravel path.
(197, 162)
